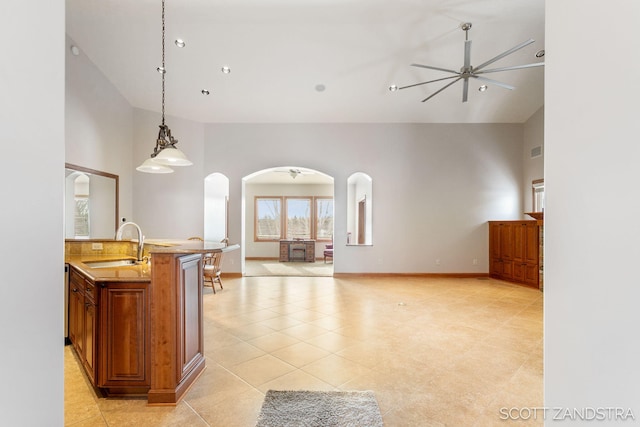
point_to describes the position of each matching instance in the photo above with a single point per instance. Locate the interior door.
(362, 209)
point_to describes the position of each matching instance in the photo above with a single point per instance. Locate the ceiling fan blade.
(465, 90)
(467, 54)
(434, 68)
(495, 82)
(440, 90)
(503, 54)
(430, 81)
(515, 67)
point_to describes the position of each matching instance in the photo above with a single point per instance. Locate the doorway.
(287, 203)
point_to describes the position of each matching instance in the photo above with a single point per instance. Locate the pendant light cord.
(164, 71)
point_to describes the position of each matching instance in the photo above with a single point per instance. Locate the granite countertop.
(140, 272)
(129, 273)
(187, 246)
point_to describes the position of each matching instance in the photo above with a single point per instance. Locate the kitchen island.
(137, 327)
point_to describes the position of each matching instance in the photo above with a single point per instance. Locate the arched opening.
(216, 207)
(287, 222)
(359, 209)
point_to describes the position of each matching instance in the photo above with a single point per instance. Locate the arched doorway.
(287, 204)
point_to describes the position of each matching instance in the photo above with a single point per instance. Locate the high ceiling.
(279, 51)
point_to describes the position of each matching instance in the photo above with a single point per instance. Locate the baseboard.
(231, 275)
(429, 275)
(261, 258)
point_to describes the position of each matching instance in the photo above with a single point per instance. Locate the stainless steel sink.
(112, 263)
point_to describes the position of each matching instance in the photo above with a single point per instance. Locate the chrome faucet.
(140, 237)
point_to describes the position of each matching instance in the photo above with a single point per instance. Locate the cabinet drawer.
(76, 281)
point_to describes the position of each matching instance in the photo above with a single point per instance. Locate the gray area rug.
(319, 409)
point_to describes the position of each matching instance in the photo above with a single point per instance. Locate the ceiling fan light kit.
(468, 71)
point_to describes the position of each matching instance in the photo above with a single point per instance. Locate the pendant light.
(165, 153)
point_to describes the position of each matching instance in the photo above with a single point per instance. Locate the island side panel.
(175, 360)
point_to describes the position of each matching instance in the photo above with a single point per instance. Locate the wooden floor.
(436, 352)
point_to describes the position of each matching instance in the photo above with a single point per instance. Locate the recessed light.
(161, 70)
(540, 53)
(393, 88)
(180, 43)
(320, 87)
(226, 69)
(74, 50)
(483, 88)
(205, 92)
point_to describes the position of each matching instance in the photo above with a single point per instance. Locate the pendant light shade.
(151, 166)
(165, 152)
(171, 156)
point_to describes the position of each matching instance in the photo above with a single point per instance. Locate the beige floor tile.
(335, 370)
(232, 355)
(241, 411)
(296, 380)
(281, 322)
(262, 369)
(330, 341)
(304, 331)
(456, 353)
(300, 354)
(274, 341)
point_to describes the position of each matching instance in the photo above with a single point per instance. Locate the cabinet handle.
(74, 290)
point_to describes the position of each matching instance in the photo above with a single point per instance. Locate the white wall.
(435, 186)
(592, 225)
(99, 124)
(272, 249)
(32, 191)
(532, 168)
(169, 205)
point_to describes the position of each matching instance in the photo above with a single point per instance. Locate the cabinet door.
(76, 315)
(531, 244)
(494, 241)
(190, 339)
(506, 241)
(124, 335)
(495, 267)
(518, 271)
(531, 274)
(519, 233)
(90, 322)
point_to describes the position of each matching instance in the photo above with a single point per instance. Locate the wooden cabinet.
(514, 251)
(82, 320)
(109, 329)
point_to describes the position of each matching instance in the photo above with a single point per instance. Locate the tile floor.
(436, 352)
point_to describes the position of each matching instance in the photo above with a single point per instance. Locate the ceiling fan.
(294, 172)
(468, 71)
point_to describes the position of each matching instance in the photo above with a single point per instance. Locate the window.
(268, 224)
(298, 218)
(324, 218)
(538, 195)
(302, 218)
(81, 218)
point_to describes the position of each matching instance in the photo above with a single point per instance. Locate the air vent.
(536, 151)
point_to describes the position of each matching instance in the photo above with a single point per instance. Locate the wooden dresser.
(297, 250)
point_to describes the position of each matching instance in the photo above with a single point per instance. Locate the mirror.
(91, 203)
(359, 209)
